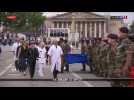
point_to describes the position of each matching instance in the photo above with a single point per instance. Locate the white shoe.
(24, 73)
(41, 75)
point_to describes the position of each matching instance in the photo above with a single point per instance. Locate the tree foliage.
(25, 22)
(132, 27)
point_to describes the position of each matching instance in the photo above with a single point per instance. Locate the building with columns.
(87, 24)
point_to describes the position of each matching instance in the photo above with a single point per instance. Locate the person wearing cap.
(121, 67)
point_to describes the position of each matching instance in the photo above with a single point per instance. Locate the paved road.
(7, 71)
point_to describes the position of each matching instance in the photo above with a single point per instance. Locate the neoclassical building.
(87, 24)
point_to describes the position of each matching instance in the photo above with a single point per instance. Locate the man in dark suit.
(32, 56)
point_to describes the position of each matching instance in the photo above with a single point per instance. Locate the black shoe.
(83, 70)
(67, 71)
(61, 72)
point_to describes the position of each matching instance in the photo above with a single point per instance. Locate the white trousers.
(41, 67)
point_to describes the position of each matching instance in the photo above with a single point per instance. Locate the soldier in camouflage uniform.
(66, 50)
(92, 51)
(97, 56)
(103, 58)
(100, 57)
(131, 58)
(121, 67)
(111, 53)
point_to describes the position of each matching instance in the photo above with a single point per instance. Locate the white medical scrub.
(55, 54)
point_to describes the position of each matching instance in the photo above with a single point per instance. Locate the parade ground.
(9, 77)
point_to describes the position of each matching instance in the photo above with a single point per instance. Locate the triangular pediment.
(69, 15)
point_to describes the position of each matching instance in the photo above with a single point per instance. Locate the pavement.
(71, 79)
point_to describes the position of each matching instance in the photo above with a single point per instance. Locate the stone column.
(76, 30)
(95, 29)
(58, 24)
(104, 28)
(62, 24)
(90, 29)
(86, 29)
(100, 33)
(66, 24)
(81, 29)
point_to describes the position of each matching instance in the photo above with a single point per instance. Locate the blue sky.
(129, 14)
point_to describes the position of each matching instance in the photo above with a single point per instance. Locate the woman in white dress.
(41, 59)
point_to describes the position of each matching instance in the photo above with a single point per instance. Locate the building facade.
(87, 24)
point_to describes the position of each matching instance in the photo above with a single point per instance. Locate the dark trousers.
(84, 66)
(64, 64)
(55, 72)
(32, 68)
(91, 66)
(67, 67)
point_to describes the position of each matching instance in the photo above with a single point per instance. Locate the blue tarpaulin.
(76, 58)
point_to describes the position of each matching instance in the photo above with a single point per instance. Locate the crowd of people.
(7, 38)
(111, 56)
(31, 54)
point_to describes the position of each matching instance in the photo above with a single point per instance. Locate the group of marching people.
(28, 55)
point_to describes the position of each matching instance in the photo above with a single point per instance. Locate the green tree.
(132, 27)
(25, 22)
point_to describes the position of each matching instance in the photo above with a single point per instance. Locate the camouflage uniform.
(93, 55)
(100, 58)
(97, 58)
(120, 61)
(103, 59)
(131, 52)
(110, 60)
(130, 61)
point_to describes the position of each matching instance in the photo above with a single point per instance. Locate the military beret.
(124, 30)
(112, 36)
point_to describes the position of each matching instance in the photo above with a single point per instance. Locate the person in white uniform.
(16, 44)
(55, 53)
(41, 59)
